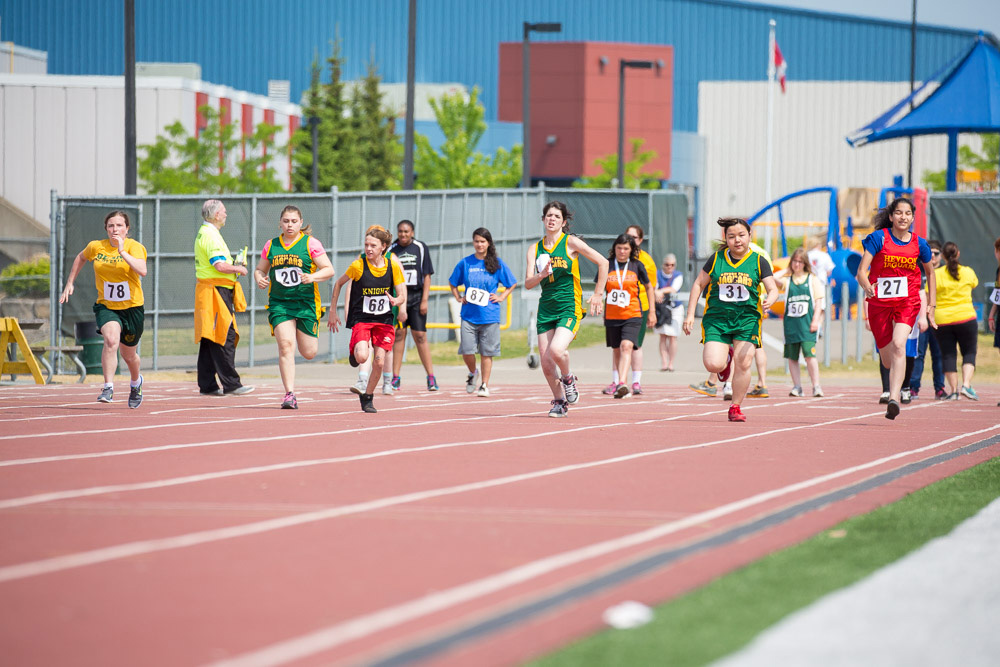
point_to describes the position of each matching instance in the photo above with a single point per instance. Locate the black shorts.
(964, 336)
(414, 320)
(615, 331)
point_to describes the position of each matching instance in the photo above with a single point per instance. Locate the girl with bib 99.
(369, 311)
(553, 263)
(623, 313)
(119, 266)
(733, 308)
(890, 276)
(291, 266)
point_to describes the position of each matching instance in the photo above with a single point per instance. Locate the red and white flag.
(779, 65)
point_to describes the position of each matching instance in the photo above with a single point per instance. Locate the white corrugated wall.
(809, 149)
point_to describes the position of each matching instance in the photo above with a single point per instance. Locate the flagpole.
(770, 126)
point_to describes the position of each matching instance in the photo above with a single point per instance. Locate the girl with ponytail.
(957, 324)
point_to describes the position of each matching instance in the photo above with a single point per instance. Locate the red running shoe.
(725, 372)
(735, 414)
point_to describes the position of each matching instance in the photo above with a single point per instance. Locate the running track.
(445, 530)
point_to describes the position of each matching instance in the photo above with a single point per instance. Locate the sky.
(970, 14)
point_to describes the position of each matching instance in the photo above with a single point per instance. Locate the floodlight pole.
(623, 64)
(913, 68)
(526, 93)
(411, 57)
(130, 150)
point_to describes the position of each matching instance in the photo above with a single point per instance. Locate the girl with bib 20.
(369, 311)
(119, 266)
(553, 263)
(733, 308)
(890, 276)
(291, 266)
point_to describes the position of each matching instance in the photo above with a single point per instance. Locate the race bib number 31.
(619, 297)
(117, 292)
(289, 277)
(733, 293)
(376, 305)
(797, 309)
(891, 288)
(477, 296)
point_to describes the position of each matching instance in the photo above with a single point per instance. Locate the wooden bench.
(71, 351)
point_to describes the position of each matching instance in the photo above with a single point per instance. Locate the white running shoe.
(387, 387)
(484, 391)
(727, 391)
(471, 382)
(361, 386)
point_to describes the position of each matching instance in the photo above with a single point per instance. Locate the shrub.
(18, 280)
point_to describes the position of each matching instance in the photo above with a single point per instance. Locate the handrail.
(451, 325)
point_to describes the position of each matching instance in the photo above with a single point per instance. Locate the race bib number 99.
(376, 305)
(733, 293)
(797, 309)
(477, 296)
(619, 297)
(117, 292)
(995, 296)
(289, 277)
(891, 288)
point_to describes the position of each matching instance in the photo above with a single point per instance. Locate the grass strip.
(726, 614)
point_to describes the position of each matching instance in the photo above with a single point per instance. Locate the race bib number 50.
(477, 296)
(797, 308)
(117, 292)
(891, 288)
(733, 293)
(375, 305)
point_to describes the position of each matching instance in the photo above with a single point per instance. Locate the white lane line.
(106, 554)
(340, 633)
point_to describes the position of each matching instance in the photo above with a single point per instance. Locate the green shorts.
(743, 326)
(303, 314)
(642, 329)
(130, 319)
(565, 320)
(808, 349)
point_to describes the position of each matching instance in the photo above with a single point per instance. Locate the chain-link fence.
(444, 220)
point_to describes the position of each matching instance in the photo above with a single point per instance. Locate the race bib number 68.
(375, 305)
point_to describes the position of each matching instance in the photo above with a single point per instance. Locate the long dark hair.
(883, 219)
(949, 252)
(624, 239)
(491, 261)
(562, 208)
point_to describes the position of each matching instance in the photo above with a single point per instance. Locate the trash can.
(92, 342)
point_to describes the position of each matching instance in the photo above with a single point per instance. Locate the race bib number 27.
(891, 288)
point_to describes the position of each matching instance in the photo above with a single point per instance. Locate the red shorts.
(883, 316)
(380, 335)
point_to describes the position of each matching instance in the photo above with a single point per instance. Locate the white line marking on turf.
(105, 554)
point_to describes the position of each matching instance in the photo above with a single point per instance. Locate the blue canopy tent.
(968, 100)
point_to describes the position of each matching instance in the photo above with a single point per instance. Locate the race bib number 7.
(410, 277)
(891, 288)
(995, 296)
(376, 305)
(477, 296)
(289, 277)
(733, 293)
(117, 292)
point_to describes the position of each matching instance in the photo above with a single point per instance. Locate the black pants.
(215, 359)
(908, 373)
(964, 335)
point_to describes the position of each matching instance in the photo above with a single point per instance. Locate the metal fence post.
(252, 286)
(53, 275)
(334, 213)
(156, 284)
(845, 309)
(859, 351)
(827, 323)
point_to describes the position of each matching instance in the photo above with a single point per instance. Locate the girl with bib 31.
(890, 276)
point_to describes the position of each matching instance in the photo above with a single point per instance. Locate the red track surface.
(177, 534)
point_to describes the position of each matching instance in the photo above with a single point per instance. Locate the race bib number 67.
(891, 288)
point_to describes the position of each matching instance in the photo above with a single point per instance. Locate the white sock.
(614, 376)
(135, 383)
(363, 378)
(636, 376)
(109, 385)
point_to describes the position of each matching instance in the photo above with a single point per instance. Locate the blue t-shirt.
(873, 243)
(472, 272)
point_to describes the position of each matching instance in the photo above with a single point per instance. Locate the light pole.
(525, 93)
(622, 65)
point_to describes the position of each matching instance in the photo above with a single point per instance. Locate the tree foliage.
(459, 164)
(635, 178)
(217, 160)
(967, 159)
(357, 145)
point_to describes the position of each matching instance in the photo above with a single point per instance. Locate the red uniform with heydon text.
(895, 273)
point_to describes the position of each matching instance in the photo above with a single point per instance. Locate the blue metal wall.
(243, 43)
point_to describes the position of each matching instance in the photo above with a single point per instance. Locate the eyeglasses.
(935, 252)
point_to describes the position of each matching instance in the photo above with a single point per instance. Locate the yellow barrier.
(450, 325)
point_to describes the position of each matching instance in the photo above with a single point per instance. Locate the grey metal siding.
(243, 43)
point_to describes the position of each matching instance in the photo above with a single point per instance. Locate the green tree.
(375, 140)
(967, 159)
(212, 161)
(634, 175)
(458, 164)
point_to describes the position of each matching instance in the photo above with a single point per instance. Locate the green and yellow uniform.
(732, 301)
(800, 308)
(288, 297)
(119, 288)
(561, 302)
(650, 266)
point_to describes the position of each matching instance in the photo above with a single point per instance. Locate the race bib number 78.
(117, 292)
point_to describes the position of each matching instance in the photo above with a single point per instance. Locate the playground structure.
(849, 219)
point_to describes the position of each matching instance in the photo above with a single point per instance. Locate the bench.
(71, 351)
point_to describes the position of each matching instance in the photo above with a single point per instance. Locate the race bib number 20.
(289, 277)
